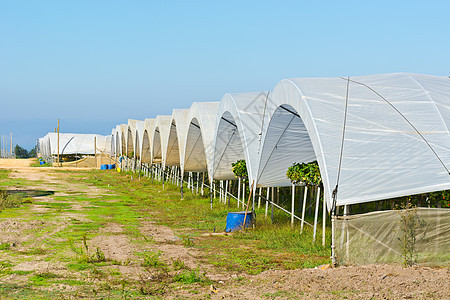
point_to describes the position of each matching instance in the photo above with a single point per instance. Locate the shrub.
(304, 173)
(240, 169)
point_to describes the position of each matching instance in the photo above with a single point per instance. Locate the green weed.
(84, 254)
(191, 276)
(42, 278)
(152, 260)
(5, 246)
(178, 264)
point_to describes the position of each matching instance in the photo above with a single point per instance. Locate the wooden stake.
(248, 203)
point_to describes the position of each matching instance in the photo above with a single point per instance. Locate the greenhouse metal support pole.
(162, 174)
(267, 201)
(239, 192)
(203, 181)
(324, 219)
(333, 237)
(293, 205)
(253, 198)
(304, 208)
(273, 197)
(220, 191)
(198, 182)
(227, 199)
(347, 242)
(181, 186)
(316, 213)
(243, 194)
(151, 172)
(259, 198)
(210, 193)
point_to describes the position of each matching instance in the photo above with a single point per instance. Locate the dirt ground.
(359, 282)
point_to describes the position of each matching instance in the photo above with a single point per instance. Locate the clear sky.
(95, 64)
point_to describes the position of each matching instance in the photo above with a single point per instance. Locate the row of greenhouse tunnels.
(366, 156)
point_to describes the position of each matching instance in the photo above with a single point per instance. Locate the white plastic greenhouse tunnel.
(237, 136)
(374, 137)
(146, 151)
(377, 139)
(197, 155)
(159, 140)
(75, 149)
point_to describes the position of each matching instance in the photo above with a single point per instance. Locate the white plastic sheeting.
(44, 147)
(118, 140)
(177, 137)
(238, 130)
(74, 143)
(131, 136)
(121, 137)
(159, 139)
(137, 127)
(146, 150)
(113, 142)
(396, 141)
(198, 152)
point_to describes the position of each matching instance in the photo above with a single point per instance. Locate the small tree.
(410, 223)
(32, 152)
(20, 152)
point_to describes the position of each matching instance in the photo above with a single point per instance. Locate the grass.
(128, 203)
(191, 276)
(283, 247)
(9, 201)
(5, 246)
(152, 260)
(42, 278)
(36, 163)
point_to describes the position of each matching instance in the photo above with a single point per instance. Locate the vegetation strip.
(65, 232)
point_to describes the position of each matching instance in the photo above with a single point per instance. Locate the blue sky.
(95, 64)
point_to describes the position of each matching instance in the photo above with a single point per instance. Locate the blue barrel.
(41, 162)
(236, 219)
(104, 167)
(111, 166)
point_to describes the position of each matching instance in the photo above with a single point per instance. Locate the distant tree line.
(20, 152)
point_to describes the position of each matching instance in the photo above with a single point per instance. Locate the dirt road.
(74, 240)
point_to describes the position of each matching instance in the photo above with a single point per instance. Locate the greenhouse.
(373, 139)
(238, 133)
(73, 147)
(146, 153)
(177, 137)
(198, 153)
